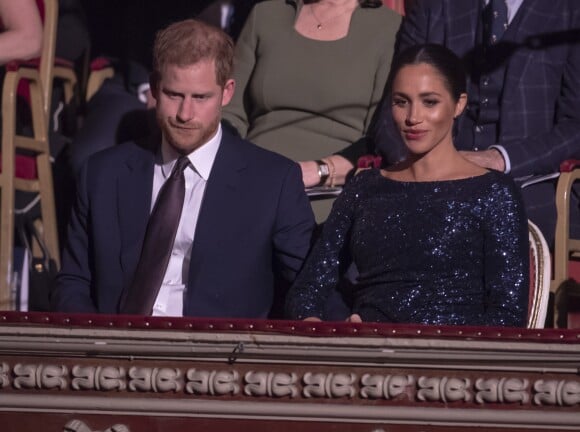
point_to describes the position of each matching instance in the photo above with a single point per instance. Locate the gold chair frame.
(540, 277)
(565, 248)
(40, 79)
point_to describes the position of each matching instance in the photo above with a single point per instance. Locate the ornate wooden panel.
(82, 373)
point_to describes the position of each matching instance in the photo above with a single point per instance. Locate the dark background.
(125, 29)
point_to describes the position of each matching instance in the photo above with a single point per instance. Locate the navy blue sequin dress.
(447, 252)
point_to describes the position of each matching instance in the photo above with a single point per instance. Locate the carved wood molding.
(307, 385)
(80, 426)
(121, 373)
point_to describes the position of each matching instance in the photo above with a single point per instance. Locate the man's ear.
(228, 91)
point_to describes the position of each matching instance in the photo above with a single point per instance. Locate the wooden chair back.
(540, 267)
(23, 150)
(565, 247)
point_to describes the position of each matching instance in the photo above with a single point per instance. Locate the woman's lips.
(414, 134)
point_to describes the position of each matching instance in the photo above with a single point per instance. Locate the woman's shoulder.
(270, 14)
(376, 27)
(273, 6)
(366, 174)
(361, 178)
(497, 188)
(382, 19)
(498, 179)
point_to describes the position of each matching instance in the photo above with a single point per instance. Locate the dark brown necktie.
(158, 244)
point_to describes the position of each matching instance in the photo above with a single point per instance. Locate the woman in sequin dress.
(436, 239)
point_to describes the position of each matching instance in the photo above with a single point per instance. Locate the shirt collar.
(201, 159)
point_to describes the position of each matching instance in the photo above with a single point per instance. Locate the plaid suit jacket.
(540, 107)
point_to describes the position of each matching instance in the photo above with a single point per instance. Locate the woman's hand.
(315, 319)
(310, 175)
(339, 168)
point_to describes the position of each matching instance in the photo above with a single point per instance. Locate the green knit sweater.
(306, 98)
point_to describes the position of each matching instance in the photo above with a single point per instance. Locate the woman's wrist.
(338, 169)
(323, 171)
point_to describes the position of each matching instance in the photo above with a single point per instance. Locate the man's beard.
(190, 137)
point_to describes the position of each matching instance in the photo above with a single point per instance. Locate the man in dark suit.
(523, 115)
(245, 222)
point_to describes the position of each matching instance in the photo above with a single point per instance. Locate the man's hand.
(490, 158)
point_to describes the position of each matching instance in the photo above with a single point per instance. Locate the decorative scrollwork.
(83, 377)
(4, 375)
(270, 384)
(444, 389)
(25, 376)
(504, 390)
(160, 380)
(387, 387)
(80, 426)
(552, 392)
(110, 378)
(40, 376)
(329, 385)
(212, 383)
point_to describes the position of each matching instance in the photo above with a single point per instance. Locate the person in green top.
(309, 76)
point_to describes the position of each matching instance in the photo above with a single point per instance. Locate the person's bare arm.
(339, 168)
(21, 37)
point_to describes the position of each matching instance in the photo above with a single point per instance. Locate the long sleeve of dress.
(322, 269)
(506, 259)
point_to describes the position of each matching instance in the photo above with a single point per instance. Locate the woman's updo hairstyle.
(449, 66)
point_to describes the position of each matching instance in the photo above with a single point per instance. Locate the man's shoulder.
(143, 148)
(256, 155)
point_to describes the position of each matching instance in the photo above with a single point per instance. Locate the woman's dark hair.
(449, 66)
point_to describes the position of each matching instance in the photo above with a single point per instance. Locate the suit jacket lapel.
(221, 199)
(134, 187)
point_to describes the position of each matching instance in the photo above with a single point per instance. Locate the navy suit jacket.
(255, 224)
(540, 108)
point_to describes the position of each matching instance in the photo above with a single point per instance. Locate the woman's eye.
(399, 102)
(430, 102)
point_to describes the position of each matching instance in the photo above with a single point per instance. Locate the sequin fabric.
(449, 252)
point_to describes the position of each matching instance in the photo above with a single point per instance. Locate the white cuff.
(504, 155)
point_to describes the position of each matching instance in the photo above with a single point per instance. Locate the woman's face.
(423, 108)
